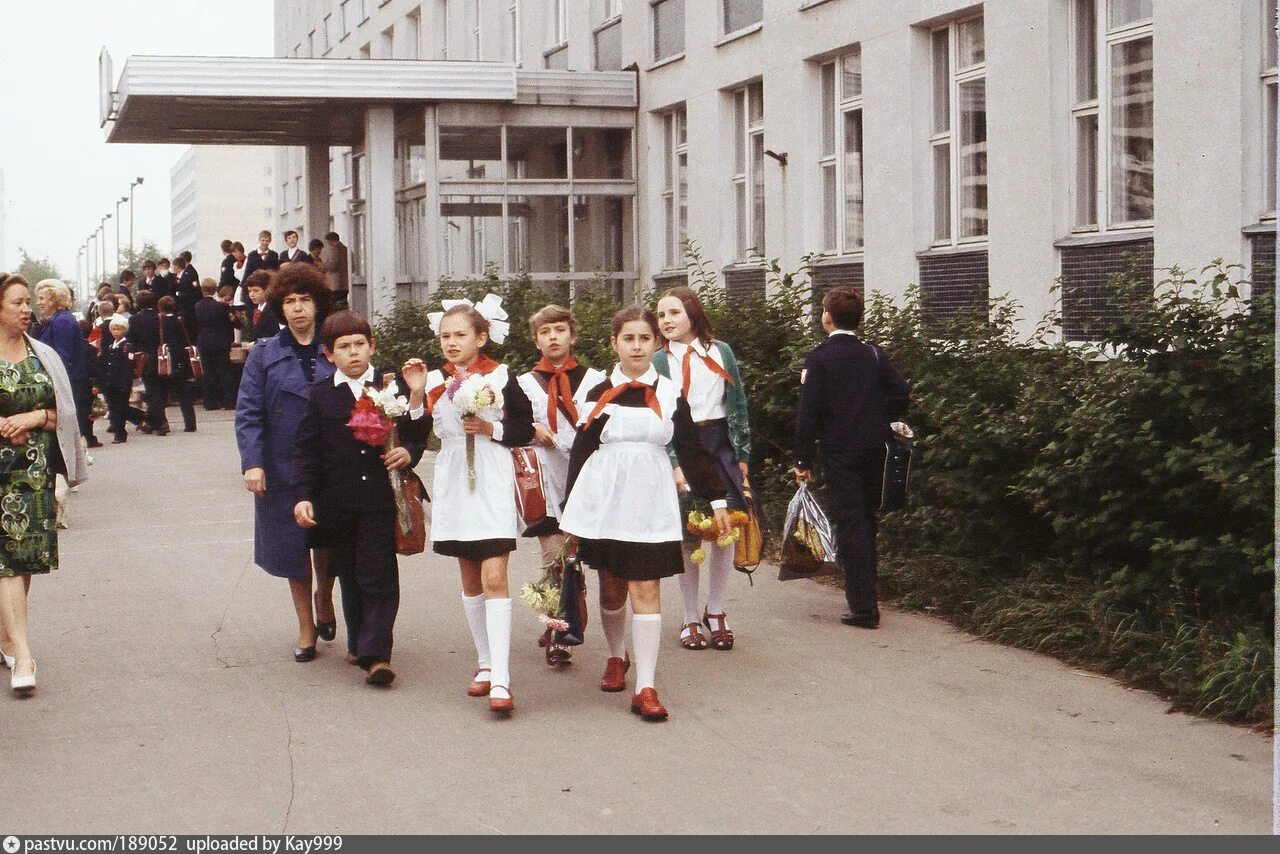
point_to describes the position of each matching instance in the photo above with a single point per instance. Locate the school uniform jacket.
(116, 364)
(293, 255)
(334, 470)
(253, 261)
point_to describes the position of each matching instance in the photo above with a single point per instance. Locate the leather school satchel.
(164, 365)
(193, 355)
(531, 494)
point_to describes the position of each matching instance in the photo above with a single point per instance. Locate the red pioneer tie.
(686, 367)
(650, 398)
(559, 392)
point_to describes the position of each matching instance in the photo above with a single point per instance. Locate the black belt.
(708, 423)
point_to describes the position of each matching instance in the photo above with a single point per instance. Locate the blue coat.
(273, 399)
(63, 334)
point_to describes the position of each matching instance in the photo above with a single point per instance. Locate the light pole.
(92, 264)
(133, 184)
(102, 241)
(79, 268)
(123, 199)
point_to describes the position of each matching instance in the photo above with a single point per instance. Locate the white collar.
(339, 378)
(619, 378)
(695, 345)
(835, 332)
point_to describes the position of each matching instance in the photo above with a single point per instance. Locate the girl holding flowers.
(707, 375)
(622, 506)
(477, 407)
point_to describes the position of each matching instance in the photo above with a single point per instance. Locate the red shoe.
(478, 687)
(502, 705)
(646, 705)
(615, 675)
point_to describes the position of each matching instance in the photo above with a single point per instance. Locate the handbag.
(897, 471)
(193, 355)
(749, 550)
(238, 354)
(164, 365)
(573, 603)
(531, 493)
(414, 540)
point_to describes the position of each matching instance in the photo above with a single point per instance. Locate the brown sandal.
(694, 640)
(721, 638)
(478, 688)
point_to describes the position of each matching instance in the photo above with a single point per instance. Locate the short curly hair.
(301, 279)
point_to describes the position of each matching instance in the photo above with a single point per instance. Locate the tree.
(35, 269)
(132, 260)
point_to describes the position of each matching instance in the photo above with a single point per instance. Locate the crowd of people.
(616, 448)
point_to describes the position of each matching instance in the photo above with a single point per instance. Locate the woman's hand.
(16, 429)
(724, 525)
(745, 468)
(543, 436)
(682, 485)
(304, 514)
(255, 480)
(474, 426)
(396, 459)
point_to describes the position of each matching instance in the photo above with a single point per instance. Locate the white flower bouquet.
(474, 396)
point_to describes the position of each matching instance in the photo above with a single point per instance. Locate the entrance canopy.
(285, 101)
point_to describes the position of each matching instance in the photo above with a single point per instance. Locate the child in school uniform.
(476, 523)
(343, 487)
(622, 506)
(707, 373)
(117, 361)
(555, 387)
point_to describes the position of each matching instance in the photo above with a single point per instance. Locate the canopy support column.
(380, 255)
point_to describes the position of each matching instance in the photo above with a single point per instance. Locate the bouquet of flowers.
(700, 526)
(543, 596)
(373, 422)
(473, 395)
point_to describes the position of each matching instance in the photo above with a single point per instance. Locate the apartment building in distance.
(220, 192)
(975, 149)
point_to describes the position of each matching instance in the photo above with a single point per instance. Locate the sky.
(60, 176)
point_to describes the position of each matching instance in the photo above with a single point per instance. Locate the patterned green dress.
(28, 534)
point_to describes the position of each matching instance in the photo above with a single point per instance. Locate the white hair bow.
(490, 309)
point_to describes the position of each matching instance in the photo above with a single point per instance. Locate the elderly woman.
(37, 441)
(61, 330)
(274, 392)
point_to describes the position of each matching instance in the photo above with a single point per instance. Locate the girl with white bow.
(474, 507)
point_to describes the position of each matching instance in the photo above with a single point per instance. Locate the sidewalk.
(169, 701)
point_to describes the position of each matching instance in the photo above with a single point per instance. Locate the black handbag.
(573, 603)
(897, 470)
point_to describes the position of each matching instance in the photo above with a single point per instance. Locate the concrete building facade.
(220, 193)
(975, 149)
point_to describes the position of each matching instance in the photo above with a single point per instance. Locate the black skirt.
(633, 561)
(474, 550)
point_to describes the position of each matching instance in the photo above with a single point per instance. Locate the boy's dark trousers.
(362, 555)
(854, 481)
(217, 384)
(119, 411)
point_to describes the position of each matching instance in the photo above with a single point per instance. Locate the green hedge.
(1110, 504)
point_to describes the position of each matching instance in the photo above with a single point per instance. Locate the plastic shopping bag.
(808, 547)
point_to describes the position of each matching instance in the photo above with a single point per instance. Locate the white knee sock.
(646, 634)
(498, 623)
(474, 606)
(689, 589)
(615, 630)
(719, 571)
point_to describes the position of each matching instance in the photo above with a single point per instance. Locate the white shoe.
(6, 659)
(23, 684)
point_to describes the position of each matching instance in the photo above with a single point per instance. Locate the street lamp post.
(102, 241)
(92, 263)
(123, 199)
(133, 184)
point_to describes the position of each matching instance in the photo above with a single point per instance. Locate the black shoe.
(146, 428)
(380, 674)
(327, 631)
(303, 654)
(162, 430)
(188, 429)
(93, 443)
(119, 440)
(862, 619)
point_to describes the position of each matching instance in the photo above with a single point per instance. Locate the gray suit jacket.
(73, 453)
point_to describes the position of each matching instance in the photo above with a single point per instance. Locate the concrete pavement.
(169, 701)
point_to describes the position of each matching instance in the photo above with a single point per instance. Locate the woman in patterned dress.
(38, 440)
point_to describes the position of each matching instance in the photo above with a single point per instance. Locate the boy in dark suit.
(215, 331)
(849, 393)
(264, 258)
(117, 381)
(343, 487)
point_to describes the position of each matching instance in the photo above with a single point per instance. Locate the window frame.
(559, 17)
(841, 105)
(607, 24)
(727, 34)
(344, 19)
(1270, 82)
(1100, 106)
(746, 131)
(654, 5)
(675, 197)
(957, 77)
(513, 20)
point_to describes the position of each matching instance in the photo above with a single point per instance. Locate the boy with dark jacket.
(849, 394)
(343, 487)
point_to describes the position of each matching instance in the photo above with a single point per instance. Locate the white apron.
(625, 490)
(457, 512)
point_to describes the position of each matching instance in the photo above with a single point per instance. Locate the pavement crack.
(288, 726)
(226, 609)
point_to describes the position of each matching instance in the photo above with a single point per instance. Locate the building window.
(364, 10)
(442, 34)
(959, 138)
(668, 28)
(1113, 115)
(347, 172)
(1269, 111)
(328, 33)
(559, 23)
(607, 40)
(475, 25)
(739, 14)
(345, 15)
(413, 35)
(841, 161)
(748, 170)
(675, 185)
(311, 43)
(297, 192)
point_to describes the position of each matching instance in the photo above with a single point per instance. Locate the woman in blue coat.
(273, 398)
